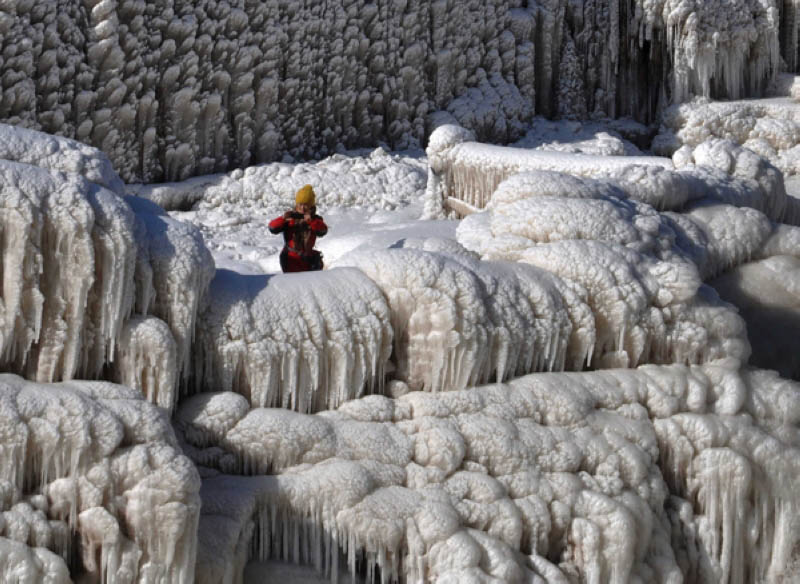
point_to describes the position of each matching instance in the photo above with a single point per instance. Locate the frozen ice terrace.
(555, 393)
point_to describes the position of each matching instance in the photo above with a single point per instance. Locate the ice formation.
(614, 476)
(470, 468)
(460, 322)
(307, 342)
(93, 473)
(180, 269)
(172, 89)
(469, 171)
(770, 128)
(68, 264)
(79, 259)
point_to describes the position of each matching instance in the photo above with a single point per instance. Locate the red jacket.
(299, 238)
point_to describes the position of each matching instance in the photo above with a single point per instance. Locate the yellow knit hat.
(305, 195)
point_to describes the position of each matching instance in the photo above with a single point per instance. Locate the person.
(300, 227)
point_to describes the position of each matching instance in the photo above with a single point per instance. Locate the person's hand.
(307, 218)
(288, 214)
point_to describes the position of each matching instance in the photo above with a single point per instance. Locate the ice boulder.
(96, 460)
(306, 341)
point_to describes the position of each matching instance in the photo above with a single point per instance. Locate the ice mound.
(640, 271)
(460, 322)
(92, 471)
(768, 127)
(68, 266)
(759, 183)
(625, 475)
(79, 260)
(306, 341)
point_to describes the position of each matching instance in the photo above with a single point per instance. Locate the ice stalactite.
(147, 360)
(77, 261)
(735, 472)
(68, 272)
(660, 474)
(96, 460)
(303, 341)
(181, 268)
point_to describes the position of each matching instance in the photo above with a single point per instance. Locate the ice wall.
(92, 472)
(176, 88)
(660, 474)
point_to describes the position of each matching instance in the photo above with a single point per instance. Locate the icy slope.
(615, 476)
(93, 473)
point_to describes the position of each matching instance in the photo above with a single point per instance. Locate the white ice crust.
(307, 342)
(615, 475)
